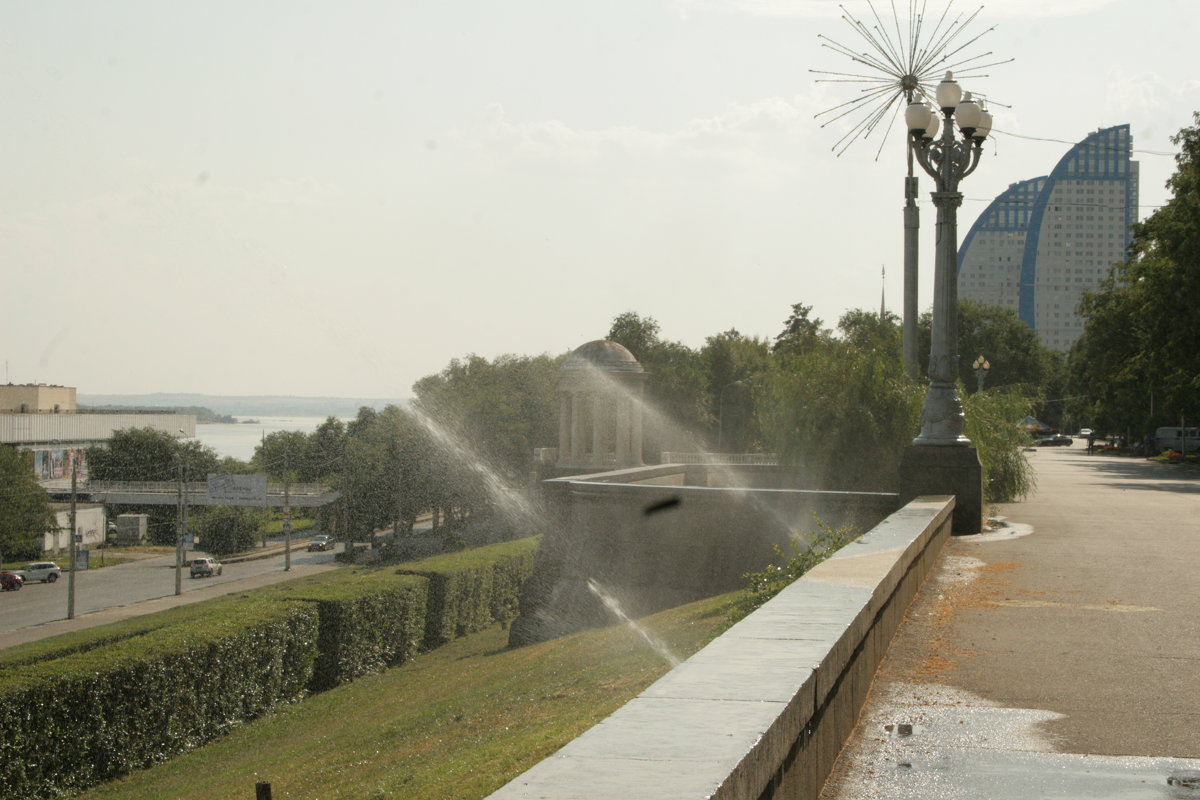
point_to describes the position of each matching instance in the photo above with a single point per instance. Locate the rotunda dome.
(602, 355)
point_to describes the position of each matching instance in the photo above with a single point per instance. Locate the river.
(240, 439)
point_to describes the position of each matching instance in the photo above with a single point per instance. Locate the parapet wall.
(763, 711)
(658, 537)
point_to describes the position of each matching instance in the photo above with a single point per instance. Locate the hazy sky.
(336, 198)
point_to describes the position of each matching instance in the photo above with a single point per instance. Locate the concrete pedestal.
(949, 469)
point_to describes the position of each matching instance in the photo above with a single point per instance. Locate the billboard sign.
(237, 490)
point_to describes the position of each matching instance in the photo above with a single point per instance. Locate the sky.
(337, 198)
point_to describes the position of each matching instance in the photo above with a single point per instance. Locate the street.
(96, 589)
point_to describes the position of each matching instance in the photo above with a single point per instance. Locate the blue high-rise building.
(1043, 242)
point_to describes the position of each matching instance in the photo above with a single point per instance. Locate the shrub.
(992, 419)
(73, 721)
(805, 554)
(368, 621)
(472, 589)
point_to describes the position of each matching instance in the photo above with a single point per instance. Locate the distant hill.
(253, 405)
(201, 413)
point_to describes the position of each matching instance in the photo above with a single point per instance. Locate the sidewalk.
(1059, 657)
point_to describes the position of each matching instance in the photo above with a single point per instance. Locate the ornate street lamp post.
(895, 63)
(941, 459)
(981, 367)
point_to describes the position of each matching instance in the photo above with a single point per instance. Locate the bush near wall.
(70, 722)
(369, 620)
(470, 590)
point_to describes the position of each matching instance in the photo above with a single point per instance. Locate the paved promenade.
(1058, 657)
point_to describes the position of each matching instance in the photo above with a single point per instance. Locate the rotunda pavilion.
(600, 408)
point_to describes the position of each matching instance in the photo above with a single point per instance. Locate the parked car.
(10, 581)
(321, 542)
(205, 567)
(44, 571)
(1084, 433)
(1057, 440)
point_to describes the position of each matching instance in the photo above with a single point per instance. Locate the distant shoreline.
(245, 406)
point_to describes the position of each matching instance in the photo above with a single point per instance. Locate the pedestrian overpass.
(169, 493)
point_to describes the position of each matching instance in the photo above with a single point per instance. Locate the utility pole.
(74, 527)
(179, 529)
(287, 514)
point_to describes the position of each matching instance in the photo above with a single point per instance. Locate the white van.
(1185, 440)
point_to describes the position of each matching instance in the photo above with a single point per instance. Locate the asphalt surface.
(1056, 657)
(145, 586)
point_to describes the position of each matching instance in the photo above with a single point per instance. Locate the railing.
(739, 459)
(191, 487)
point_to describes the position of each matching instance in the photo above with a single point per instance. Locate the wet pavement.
(1056, 657)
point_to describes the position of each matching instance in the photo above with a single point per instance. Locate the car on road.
(205, 567)
(321, 542)
(1057, 440)
(44, 571)
(10, 581)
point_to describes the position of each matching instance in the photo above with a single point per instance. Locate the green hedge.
(85, 707)
(90, 638)
(70, 722)
(369, 620)
(470, 590)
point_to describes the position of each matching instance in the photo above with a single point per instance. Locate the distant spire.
(882, 292)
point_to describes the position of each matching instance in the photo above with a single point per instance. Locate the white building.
(45, 420)
(1044, 242)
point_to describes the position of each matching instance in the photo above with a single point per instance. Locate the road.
(136, 581)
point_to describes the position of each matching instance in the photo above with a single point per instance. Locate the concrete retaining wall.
(763, 711)
(658, 537)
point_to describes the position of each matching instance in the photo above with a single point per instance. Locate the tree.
(225, 530)
(493, 413)
(733, 363)
(25, 510)
(675, 393)
(866, 330)
(145, 454)
(285, 454)
(840, 413)
(800, 334)
(1016, 356)
(639, 335)
(1138, 361)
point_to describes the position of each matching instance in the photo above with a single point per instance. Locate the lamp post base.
(932, 470)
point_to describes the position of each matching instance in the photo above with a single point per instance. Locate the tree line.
(1137, 365)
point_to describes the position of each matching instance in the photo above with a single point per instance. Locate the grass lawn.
(455, 723)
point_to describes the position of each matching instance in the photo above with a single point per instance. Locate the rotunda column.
(576, 428)
(597, 428)
(564, 428)
(635, 398)
(621, 412)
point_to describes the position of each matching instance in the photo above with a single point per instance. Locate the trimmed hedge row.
(89, 706)
(470, 590)
(369, 622)
(90, 638)
(71, 722)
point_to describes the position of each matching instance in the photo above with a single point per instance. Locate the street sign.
(81, 559)
(237, 490)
